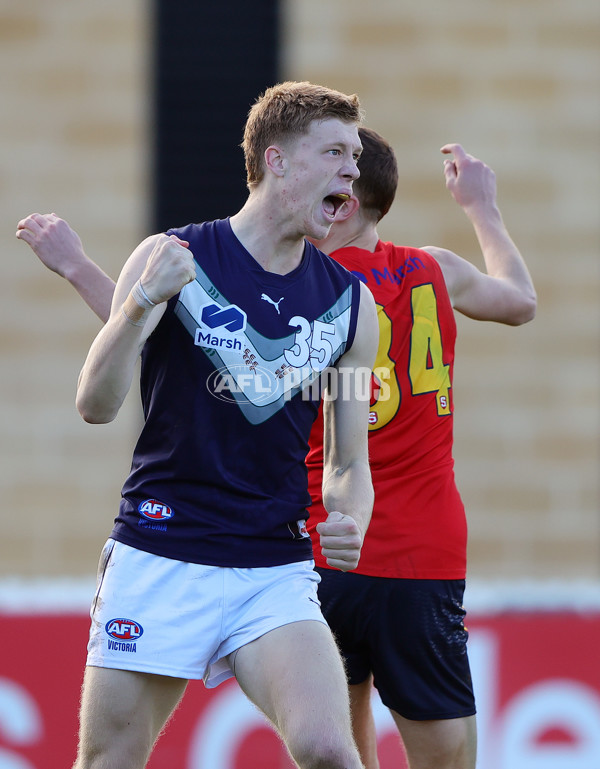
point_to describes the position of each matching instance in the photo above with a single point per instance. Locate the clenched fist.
(169, 268)
(341, 541)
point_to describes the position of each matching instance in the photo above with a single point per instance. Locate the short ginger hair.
(287, 109)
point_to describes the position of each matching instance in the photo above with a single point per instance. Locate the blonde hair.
(288, 109)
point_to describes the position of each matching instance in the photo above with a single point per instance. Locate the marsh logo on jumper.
(221, 327)
(123, 633)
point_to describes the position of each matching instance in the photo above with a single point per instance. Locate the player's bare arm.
(505, 292)
(59, 248)
(157, 270)
(347, 486)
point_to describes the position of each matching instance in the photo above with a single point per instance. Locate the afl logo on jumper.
(155, 510)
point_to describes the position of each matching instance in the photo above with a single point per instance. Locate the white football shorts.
(172, 618)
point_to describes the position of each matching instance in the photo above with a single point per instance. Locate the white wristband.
(141, 297)
(137, 306)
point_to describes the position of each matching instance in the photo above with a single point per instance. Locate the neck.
(264, 235)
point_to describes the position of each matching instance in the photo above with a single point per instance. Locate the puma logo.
(270, 301)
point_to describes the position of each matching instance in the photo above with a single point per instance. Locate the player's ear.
(347, 209)
(275, 160)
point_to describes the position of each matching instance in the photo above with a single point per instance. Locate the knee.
(327, 754)
(96, 756)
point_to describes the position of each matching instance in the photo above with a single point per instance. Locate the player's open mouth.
(333, 203)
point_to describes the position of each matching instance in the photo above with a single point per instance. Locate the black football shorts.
(409, 633)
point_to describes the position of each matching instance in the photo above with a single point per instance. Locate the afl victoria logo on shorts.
(123, 634)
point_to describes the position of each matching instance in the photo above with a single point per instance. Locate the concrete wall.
(516, 82)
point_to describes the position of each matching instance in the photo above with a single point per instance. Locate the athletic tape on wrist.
(137, 306)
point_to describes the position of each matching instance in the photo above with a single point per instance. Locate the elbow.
(94, 403)
(94, 419)
(519, 311)
(93, 413)
(526, 311)
(531, 310)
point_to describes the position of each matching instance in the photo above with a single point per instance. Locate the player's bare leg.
(294, 674)
(363, 723)
(447, 744)
(122, 715)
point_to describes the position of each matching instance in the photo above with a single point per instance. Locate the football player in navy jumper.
(242, 325)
